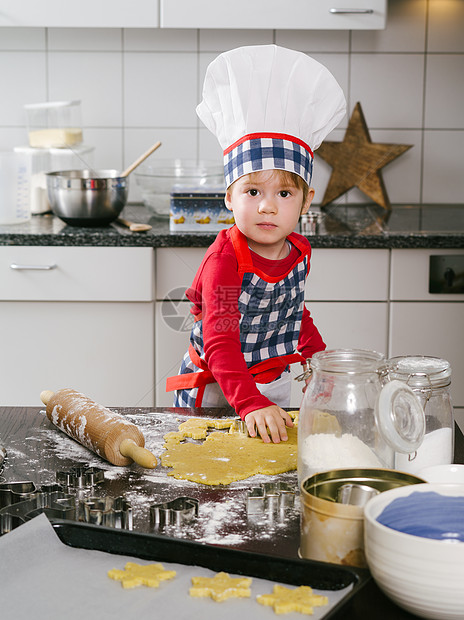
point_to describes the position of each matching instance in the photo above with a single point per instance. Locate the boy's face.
(266, 209)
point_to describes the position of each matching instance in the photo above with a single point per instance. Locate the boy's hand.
(271, 420)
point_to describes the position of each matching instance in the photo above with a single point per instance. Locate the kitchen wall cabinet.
(77, 317)
(82, 14)
(348, 312)
(425, 323)
(274, 14)
(240, 14)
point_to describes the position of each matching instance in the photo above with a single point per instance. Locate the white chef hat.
(269, 107)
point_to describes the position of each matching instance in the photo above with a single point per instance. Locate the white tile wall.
(141, 85)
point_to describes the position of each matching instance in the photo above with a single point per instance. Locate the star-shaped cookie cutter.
(80, 477)
(175, 512)
(109, 511)
(13, 492)
(270, 497)
(22, 501)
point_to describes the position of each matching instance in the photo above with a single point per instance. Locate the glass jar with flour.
(352, 418)
(430, 379)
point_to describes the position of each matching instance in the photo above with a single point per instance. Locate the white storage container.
(54, 124)
(42, 161)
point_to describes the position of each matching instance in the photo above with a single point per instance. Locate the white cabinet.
(274, 14)
(347, 295)
(82, 14)
(239, 14)
(77, 317)
(172, 338)
(348, 274)
(175, 270)
(424, 323)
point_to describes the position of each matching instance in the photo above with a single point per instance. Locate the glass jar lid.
(400, 417)
(420, 371)
(347, 361)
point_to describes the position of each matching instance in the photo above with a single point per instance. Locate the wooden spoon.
(134, 226)
(138, 161)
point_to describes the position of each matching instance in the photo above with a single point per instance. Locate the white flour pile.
(324, 451)
(436, 449)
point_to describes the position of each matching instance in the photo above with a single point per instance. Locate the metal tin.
(332, 531)
(199, 208)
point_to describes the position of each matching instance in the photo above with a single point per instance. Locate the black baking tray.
(298, 572)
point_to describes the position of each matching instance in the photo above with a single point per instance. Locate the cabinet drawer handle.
(35, 267)
(351, 11)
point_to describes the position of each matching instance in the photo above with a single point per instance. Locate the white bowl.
(425, 576)
(443, 473)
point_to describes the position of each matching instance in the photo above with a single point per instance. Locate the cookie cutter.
(355, 494)
(2, 457)
(80, 477)
(13, 492)
(175, 512)
(240, 427)
(108, 511)
(26, 502)
(270, 497)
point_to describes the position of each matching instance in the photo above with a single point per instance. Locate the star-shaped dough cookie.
(284, 600)
(357, 161)
(221, 587)
(135, 575)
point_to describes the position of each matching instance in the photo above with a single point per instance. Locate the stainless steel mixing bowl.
(87, 197)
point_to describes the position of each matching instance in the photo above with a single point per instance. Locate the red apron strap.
(262, 372)
(191, 379)
(199, 398)
(242, 251)
(304, 249)
(268, 370)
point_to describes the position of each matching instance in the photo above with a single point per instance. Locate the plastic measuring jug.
(15, 174)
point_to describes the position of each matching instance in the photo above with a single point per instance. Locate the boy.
(248, 294)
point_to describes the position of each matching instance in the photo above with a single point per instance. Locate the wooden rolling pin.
(107, 433)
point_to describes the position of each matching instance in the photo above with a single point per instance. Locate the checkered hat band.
(267, 153)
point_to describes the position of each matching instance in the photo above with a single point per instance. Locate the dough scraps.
(135, 575)
(223, 458)
(285, 600)
(197, 428)
(221, 587)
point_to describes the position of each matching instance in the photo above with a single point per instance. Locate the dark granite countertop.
(408, 226)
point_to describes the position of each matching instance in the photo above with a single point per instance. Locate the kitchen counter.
(408, 226)
(36, 450)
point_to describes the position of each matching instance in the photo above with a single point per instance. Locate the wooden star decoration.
(357, 162)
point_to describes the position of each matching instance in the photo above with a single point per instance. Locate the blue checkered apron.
(270, 320)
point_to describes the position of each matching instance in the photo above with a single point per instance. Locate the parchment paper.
(42, 578)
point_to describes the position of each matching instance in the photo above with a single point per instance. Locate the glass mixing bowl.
(157, 179)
